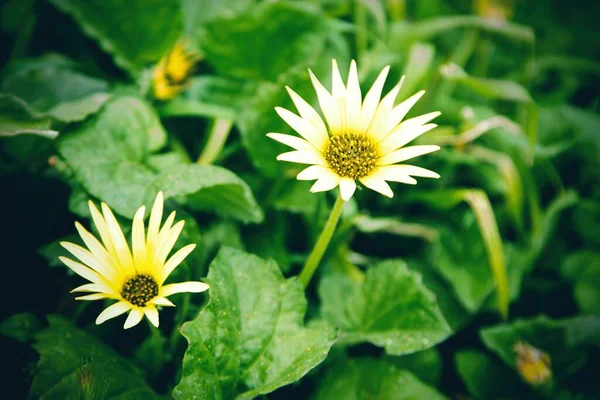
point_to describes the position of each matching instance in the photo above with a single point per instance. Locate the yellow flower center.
(351, 155)
(139, 290)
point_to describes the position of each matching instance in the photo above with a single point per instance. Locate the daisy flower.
(363, 140)
(171, 74)
(532, 363)
(136, 277)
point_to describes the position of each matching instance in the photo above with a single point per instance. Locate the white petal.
(95, 296)
(377, 129)
(413, 171)
(175, 260)
(328, 105)
(347, 188)
(113, 311)
(92, 287)
(152, 315)
(301, 126)
(406, 153)
(166, 245)
(372, 100)
(192, 287)
(83, 271)
(313, 172)
(378, 185)
(312, 117)
(389, 173)
(399, 112)
(292, 141)
(161, 301)
(404, 134)
(90, 260)
(302, 157)
(338, 89)
(96, 247)
(118, 240)
(134, 318)
(138, 238)
(155, 220)
(353, 99)
(102, 228)
(325, 183)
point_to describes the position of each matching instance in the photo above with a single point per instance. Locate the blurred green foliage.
(502, 248)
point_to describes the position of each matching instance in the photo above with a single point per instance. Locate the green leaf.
(487, 378)
(403, 34)
(208, 187)
(196, 13)
(108, 155)
(53, 88)
(72, 361)
(453, 311)
(459, 256)
(564, 340)
(21, 327)
(210, 96)
(290, 32)
(417, 67)
(391, 309)
(472, 285)
(372, 379)
(583, 269)
(18, 118)
(251, 333)
(497, 89)
(259, 117)
(294, 196)
(136, 33)
(426, 365)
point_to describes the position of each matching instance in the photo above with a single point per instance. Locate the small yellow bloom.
(532, 363)
(171, 74)
(135, 278)
(495, 10)
(363, 140)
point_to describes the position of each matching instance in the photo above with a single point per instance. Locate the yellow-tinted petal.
(325, 183)
(347, 188)
(403, 136)
(155, 220)
(378, 128)
(113, 311)
(312, 117)
(161, 301)
(152, 315)
(353, 99)
(406, 153)
(328, 105)
(90, 260)
(314, 172)
(175, 260)
(302, 157)
(83, 271)
(372, 100)
(378, 185)
(123, 254)
(134, 318)
(138, 241)
(292, 141)
(191, 287)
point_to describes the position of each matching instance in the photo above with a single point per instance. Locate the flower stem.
(216, 140)
(317, 252)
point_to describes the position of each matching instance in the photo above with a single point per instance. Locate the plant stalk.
(219, 132)
(322, 242)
